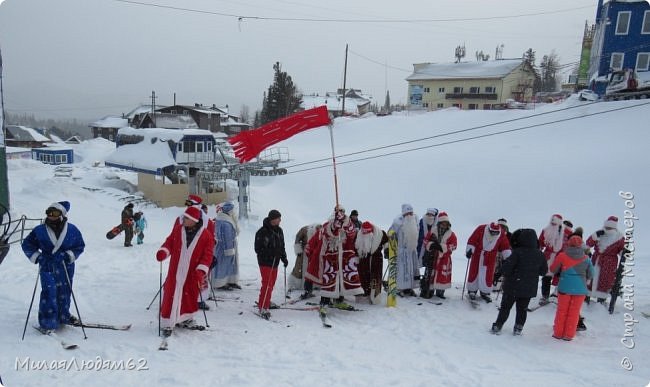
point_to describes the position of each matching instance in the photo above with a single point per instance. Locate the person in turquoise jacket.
(576, 269)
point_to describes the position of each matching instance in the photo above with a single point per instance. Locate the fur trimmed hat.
(494, 227)
(63, 206)
(227, 207)
(195, 199)
(406, 208)
(556, 219)
(433, 211)
(612, 222)
(366, 227)
(443, 217)
(192, 213)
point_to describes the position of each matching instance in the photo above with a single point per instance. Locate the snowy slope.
(575, 166)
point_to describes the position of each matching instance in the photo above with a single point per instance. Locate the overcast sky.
(91, 58)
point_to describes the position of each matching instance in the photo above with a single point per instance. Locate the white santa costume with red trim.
(181, 288)
(484, 248)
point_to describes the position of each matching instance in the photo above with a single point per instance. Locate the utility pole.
(4, 180)
(345, 72)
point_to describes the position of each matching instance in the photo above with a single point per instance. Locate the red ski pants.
(269, 274)
(567, 315)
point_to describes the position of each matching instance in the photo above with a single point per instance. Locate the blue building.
(621, 40)
(53, 155)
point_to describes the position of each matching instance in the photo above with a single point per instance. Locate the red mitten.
(161, 255)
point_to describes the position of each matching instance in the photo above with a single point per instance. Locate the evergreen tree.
(387, 102)
(282, 98)
(550, 66)
(529, 58)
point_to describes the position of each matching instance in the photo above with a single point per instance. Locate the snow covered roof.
(164, 134)
(24, 133)
(110, 122)
(333, 102)
(142, 157)
(483, 69)
(175, 121)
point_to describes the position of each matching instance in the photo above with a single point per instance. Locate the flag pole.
(336, 182)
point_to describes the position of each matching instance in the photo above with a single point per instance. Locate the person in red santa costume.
(551, 241)
(608, 244)
(333, 260)
(445, 242)
(190, 249)
(483, 245)
(369, 244)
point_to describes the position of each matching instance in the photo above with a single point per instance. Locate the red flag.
(249, 144)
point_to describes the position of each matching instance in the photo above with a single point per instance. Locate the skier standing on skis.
(269, 247)
(551, 240)
(297, 278)
(608, 244)
(408, 263)
(226, 255)
(190, 249)
(483, 245)
(445, 242)
(369, 244)
(333, 260)
(54, 246)
(521, 272)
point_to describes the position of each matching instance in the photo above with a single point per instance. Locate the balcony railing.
(485, 96)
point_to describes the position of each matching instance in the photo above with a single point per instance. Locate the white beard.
(608, 239)
(363, 244)
(429, 220)
(410, 232)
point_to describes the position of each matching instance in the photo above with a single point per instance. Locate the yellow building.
(470, 85)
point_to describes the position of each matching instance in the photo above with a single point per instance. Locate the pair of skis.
(67, 345)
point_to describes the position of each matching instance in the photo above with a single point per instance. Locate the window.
(209, 147)
(642, 60)
(616, 63)
(425, 104)
(189, 147)
(457, 105)
(180, 146)
(199, 147)
(440, 105)
(487, 106)
(645, 27)
(427, 89)
(490, 89)
(60, 159)
(441, 90)
(623, 22)
(472, 106)
(458, 90)
(474, 90)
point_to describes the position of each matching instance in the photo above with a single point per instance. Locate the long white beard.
(364, 244)
(429, 220)
(410, 231)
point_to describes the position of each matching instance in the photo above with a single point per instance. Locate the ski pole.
(154, 298)
(74, 299)
(462, 294)
(205, 316)
(285, 283)
(31, 303)
(159, 299)
(214, 296)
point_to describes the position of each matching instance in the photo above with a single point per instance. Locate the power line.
(341, 20)
(459, 140)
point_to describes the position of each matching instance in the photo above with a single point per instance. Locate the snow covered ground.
(571, 158)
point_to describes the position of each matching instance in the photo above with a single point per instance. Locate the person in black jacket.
(269, 247)
(521, 272)
(127, 224)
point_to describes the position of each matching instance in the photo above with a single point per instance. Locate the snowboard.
(429, 259)
(115, 231)
(391, 298)
(618, 282)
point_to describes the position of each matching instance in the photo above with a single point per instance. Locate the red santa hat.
(495, 227)
(194, 199)
(366, 227)
(192, 213)
(556, 219)
(611, 222)
(443, 217)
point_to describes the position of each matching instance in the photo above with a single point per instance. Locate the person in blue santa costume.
(226, 257)
(54, 246)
